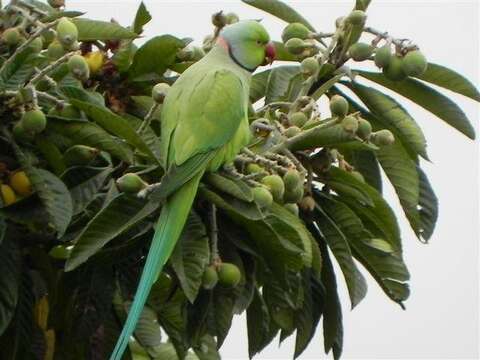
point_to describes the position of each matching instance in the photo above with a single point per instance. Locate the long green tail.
(172, 220)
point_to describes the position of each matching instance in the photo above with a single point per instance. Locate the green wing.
(205, 113)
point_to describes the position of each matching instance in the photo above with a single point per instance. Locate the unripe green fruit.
(357, 175)
(414, 63)
(292, 131)
(34, 121)
(360, 51)
(219, 19)
(350, 124)
(293, 208)
(55, 50)
(229, 275)
(364, 129)
(262, 197)
(68, 111)
(159, 92)
(307, 203)
(20, 134)
(275, 185)
(37, 45)
(253, 168)
(382, 138)
(130, 183)
(48, 36)
(357, 17)
(394, 70)
(292, 179)
(293, 195)
(338, 106)
(210, 278)
(232, 18)
(79, 155)
(60, 252)
(383, 56)
(309, 66)
(298, 119)
(67, 32)
(295, 46)
(56, 3)
(295, 30)
(78, 66)
(11, 36)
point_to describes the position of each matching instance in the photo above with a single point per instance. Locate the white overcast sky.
(441, 320)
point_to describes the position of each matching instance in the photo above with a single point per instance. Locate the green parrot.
(204, 125)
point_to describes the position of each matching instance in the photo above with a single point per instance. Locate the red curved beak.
(269, 53)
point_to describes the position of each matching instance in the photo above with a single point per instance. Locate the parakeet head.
(248, 44)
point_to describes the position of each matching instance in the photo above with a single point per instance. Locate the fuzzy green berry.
(56, 3)
(55, 50)
(295, 30)
(48, 36)
(130, 183)
(20, 134)
(210, 278)
(67, 32)
(37, 45)
(350, 124)
(262, 197)
(295, 46)
(307, 204)
(361, 51)
(232, 18)
(383, 56)
(414, 63)
(34, 121)
(253, 168)
(60, 252)
(298, 119)
(159, 92)
(382, 138)
(394, 70)
(338, 106)
(79, 68)
(293, 208)
(364, 129)
(219, 19)
(229, 275)
(292, 179)
(309, 66)
(357, 17)
(77, 155)
(275, 185)
(292, 131)
(293, 195)
(11, 36)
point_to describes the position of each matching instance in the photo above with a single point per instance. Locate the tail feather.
(172, 220)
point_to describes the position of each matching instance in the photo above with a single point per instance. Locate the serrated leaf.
(258, 325)
(91, 30)
(54, 196)
(87, 133)
(190, 256)
(327, 220)
(428, 203)
(451, 80)
(258, 85)
(60, 14)
(366, 163)
(279, 83)
(391, 114)
(15, 74)
(9, 281)
(147, 331)
(84, 184)
(155, 56)
(319, 137)
(123, 57)
(236, 188)
(142, 17)
(280, 10)
(122, 212)
(428, 98)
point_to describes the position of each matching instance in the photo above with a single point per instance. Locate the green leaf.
(84, 184)
(52, 154)
(15, 74)
(234, 187)
(366, 163)
(191, 255)
(428, 203)
(147, 331)
(451, 80)
(258, 325)
(281, 83)
(142, 17)
(155, 56)
(223, 307)
(123, 57)
(327, 220)
(428, 98)
(54, 196)
(392, 115)
(60, 14)
(207, 349)
(280, 10)
(9, 281)
(87, 133)
(258, 85)
(91, 30)
(319, 136)
(122, 212)
(322, 89)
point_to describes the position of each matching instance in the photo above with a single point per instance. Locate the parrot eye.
(259, 42)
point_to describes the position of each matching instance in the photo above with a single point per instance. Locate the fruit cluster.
(14, 185)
